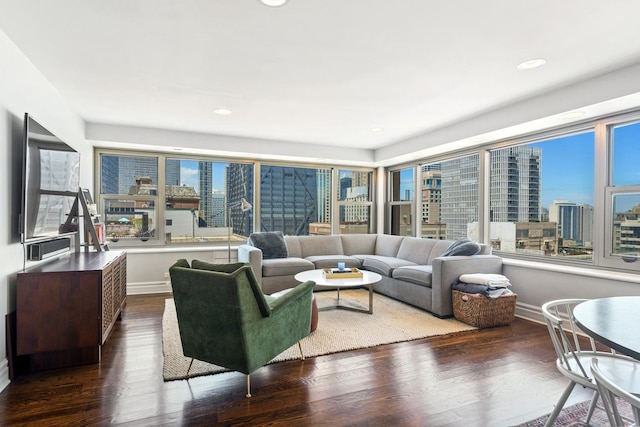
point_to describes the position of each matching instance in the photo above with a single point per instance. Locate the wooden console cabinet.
(66, 309)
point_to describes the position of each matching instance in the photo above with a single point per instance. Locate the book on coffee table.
(345, 273)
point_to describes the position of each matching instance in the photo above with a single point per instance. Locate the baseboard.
(529, 312)
(4, 374)
(142, 288)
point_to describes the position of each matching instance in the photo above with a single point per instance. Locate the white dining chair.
(610, 389)
(574, 350)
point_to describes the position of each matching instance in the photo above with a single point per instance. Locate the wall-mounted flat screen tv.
(50, 183)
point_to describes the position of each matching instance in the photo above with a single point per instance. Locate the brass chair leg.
(300, 347)
(248, 385)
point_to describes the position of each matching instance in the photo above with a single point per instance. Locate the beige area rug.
(338, 330)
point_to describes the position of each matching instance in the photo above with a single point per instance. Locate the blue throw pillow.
(271, 243)
(462, 247)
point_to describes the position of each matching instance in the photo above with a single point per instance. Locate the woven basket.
(482, 312)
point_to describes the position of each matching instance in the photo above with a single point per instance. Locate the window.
(625, 140)
(203, 201)
(541, 197)
(402, 183)
(449, 197)
(431, 202)
(206, 200)
(354, 201)
(567, 195)
(623, 197)
(128, 198)
(295, 200)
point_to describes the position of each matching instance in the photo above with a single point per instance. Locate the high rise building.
(575, 221)
(459, 195)
(323, 188)
(515, 184)
(131, 167)
(431, 185)
(110, 169)
(239, 185)
(205, 181)
(217, 218)
(353, 189)
(288, 199)
(626, 232)
(172, 172)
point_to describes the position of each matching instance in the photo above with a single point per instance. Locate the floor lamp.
(244, 207)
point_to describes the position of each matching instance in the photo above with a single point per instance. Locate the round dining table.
(614, 321)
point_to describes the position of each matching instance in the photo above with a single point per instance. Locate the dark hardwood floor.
(491, 377)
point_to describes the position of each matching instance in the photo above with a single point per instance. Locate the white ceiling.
(315, 71)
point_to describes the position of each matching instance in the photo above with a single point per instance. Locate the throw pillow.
(271, 243)
(462, 247)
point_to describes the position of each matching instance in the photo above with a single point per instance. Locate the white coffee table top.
(368, 277)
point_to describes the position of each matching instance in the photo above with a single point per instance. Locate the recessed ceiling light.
(222, 111)
(531, 63)
(377, 129)
(572, 114)
(273, 3)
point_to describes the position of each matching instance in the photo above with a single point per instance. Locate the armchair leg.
(248, 385)
(300, 347)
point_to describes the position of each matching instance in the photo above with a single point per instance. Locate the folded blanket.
(487, 291)
(495, 280)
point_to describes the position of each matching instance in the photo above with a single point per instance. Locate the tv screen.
(50, 183)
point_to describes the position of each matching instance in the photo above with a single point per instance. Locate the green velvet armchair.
(225, 319)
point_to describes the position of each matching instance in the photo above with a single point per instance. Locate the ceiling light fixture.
(273, 3)
(531, 63)
(222, 111)
(572, 114)
(377, 129)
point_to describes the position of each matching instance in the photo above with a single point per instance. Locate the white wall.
(537, 283)
(148, 269)
(24, 89)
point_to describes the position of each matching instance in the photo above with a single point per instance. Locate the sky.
(189, 174)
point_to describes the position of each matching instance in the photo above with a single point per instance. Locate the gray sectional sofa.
(412, 269)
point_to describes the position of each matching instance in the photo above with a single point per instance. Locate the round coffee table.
(366, 281)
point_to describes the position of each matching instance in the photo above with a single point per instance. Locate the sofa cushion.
(383, 264)
(440, 247)
(271, 243)
(388, 245)
(331, 261)
(320, 245)
(293, 246)
(418, 274)
(359, 244)
(416, 249)
(285, 266)
(462, 247)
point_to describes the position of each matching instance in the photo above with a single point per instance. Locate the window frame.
(402, 204)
